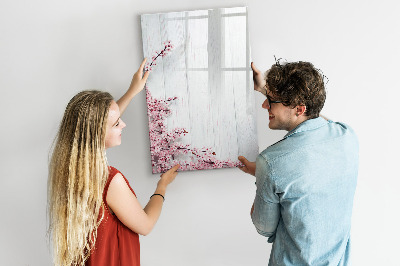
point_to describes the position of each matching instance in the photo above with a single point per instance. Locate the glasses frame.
(270, 101)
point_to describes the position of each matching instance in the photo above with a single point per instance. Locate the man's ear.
(300, 110)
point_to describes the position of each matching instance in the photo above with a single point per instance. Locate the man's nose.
(265, 104)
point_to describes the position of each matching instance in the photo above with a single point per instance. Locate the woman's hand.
(168, 176)
(259, 82)
(138, 79)
(137, 85)
(127, 207)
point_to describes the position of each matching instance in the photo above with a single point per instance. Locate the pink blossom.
(165, 146)
(167, 48)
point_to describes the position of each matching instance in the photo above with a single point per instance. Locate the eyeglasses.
(270, 101)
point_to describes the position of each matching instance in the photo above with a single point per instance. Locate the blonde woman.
(95, 217)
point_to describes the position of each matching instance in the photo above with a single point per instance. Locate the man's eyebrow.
(272, 98)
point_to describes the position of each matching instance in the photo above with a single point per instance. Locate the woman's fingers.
(172, 171)
(142, 65)
(170, 175)
(145, 76)
(176, 167)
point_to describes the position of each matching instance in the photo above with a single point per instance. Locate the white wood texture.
(208, 70)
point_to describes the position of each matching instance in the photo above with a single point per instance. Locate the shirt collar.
(307, 125)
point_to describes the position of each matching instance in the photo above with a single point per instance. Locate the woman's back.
(116, 244)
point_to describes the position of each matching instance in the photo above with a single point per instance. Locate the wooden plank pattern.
(208, 70)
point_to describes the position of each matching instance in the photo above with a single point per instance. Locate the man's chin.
(274, 126)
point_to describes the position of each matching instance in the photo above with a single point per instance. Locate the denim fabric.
(305, 189)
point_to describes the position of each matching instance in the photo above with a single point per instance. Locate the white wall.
(49, 50)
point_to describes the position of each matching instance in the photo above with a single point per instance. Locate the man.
(306, 181)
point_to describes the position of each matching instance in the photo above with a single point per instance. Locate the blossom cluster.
(167, 48)
(165, 147)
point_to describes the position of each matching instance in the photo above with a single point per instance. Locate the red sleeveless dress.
(116, 244)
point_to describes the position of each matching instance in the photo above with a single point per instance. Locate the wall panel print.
(200, 95)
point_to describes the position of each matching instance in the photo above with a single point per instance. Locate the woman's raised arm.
(137, 85)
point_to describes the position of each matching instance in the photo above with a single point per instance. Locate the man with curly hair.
(306, 181)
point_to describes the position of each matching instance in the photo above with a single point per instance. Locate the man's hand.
(259, 82)
(249, 167)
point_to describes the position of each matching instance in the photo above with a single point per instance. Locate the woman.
(95, 217)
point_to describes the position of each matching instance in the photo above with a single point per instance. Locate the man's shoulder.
(300, 140)
(342, 130)
(276, 150)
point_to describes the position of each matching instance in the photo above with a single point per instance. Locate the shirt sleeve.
(266, 212)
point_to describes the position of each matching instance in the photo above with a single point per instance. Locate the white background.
(52, 49)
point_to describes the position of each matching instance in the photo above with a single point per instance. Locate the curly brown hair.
(298, 83)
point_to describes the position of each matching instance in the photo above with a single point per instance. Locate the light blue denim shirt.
(305, 189)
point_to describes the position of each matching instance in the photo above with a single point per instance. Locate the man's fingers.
(253, 67)
(244, 169)
(243, 160)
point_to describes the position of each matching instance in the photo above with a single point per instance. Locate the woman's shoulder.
(113, 171)
(117, 178)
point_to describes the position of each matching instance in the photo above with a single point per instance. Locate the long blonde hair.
(78, 171)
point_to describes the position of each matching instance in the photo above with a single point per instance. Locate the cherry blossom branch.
(165, 146)
(167, 48)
